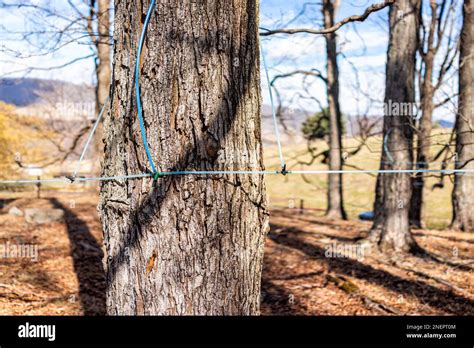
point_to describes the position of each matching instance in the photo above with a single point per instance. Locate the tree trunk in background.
(391, 229)
(185, 244)
(103, 70)
(424, 130)
(463, 191)
(335, 193)
(103, 66)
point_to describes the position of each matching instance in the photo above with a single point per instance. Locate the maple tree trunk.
(187, 244)
(391, 228)
(463, 191)
(335, 207)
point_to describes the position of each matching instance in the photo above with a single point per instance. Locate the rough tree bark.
(391, 228)
(463, 191)
(335, 207)
(185, 244)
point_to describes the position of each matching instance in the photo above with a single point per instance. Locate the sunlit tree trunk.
(185, 244)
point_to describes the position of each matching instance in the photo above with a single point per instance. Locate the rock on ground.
(43, 216)
(14, 211)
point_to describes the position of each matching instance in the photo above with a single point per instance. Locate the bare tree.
(98, 26)
(431, 78)
(462, 196)
(185, 244)
(335, 208)
(53, 30)
(391, 229)
(335, 195)
(335, 26)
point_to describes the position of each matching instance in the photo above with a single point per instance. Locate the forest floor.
(311, 267)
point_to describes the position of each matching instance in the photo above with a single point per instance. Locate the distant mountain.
(29, 91)
(445, 123)
(52, 98)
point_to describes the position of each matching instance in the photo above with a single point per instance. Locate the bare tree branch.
(335, 27)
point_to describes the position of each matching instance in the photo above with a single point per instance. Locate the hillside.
(48, 98)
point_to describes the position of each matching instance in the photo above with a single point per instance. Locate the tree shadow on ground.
(296, 230)
(451, 239)
(275, 299)
(87, 256)
(4, 202)
(444, 300)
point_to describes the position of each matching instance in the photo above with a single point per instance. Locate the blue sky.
(362, 60)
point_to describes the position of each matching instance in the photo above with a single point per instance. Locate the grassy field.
(358, 188)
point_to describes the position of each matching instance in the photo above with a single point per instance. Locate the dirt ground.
(311, 267)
